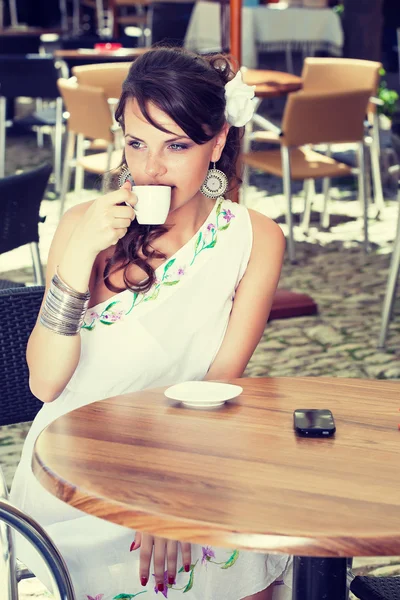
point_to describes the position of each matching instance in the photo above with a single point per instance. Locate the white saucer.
(203, 394)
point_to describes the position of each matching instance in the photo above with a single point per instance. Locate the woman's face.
(158, 158)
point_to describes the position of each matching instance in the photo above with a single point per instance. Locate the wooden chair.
(312, 118)
(346, 74)
(107, 76)
(334, 75)
(89, 118)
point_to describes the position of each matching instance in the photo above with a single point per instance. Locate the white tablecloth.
(204, 31)
(268, 29)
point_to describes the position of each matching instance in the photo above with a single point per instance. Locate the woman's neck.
(188, 219)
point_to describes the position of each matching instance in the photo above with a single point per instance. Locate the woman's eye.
(136, 145)
(178, 147)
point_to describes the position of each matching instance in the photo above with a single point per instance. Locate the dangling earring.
(125, 176)
(215, 184)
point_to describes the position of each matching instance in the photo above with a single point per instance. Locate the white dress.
(132, 342)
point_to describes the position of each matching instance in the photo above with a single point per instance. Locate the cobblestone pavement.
(341, 341)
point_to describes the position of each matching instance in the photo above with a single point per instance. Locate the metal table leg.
(319, 578)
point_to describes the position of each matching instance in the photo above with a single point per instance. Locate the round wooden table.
(270, 84)
(238, 477)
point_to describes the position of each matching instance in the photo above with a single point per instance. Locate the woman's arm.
(52, 358)
(253, 300)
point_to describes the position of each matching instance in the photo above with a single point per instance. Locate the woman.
(128, 307)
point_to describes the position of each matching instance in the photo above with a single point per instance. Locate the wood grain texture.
(272, 83)
(238, 476)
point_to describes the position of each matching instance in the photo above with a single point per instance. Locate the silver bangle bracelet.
(64, 308)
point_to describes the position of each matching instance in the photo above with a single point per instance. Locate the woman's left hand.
(165, 558)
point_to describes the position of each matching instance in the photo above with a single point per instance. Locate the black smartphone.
(313, 422)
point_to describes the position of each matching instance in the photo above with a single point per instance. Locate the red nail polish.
(187, 568)
(171, 580)
(160, 587)
(143, 580)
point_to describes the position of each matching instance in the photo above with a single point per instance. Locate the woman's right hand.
(105, 222)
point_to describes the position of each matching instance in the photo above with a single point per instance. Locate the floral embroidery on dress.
(208, 556)
(172, 273)
(118, 597)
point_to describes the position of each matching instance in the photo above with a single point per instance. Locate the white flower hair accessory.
(239, 96)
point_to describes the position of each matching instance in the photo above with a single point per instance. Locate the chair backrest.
(341, 74)
(20, 307)
(109, 77)
(20, 198)
(89, 111)
(315, 118)
(334, 74)
(32, 75)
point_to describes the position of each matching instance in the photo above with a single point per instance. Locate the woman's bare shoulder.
(266, 233)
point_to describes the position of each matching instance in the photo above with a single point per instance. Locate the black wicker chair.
(20, 307)
(376, 588)
(5, 284)
(34, 76)
(20, 199)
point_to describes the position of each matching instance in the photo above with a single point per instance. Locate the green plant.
(388, 97)
(339, 9)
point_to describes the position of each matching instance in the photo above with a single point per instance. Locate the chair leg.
(66, 180)
(289, 58)
(13, 13)
(79, 172)
(391, 286)
(37, 265)
(8, 579)
(3, 105)
(362, 190)
(100, 17)
(309, 193)
(326, 191)
(287, 189)
(39, 132)
(325, 215)
(58, 135)
(377, 178)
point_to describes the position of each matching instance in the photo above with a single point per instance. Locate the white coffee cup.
(153, 202)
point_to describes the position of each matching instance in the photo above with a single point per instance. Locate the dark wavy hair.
(190, 89)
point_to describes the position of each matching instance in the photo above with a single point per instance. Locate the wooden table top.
(100, 55)
(272, 83)
(238, 476)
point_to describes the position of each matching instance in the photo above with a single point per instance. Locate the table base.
(317, 578)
